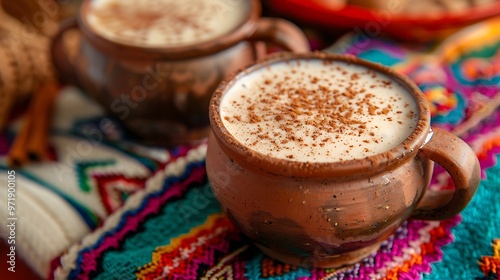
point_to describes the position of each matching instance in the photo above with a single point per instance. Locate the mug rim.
(242, 31)
(388, 160)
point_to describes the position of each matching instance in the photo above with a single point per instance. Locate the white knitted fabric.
(47, 224)
(63, 174)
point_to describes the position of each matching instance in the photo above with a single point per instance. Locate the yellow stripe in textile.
(484, 33)
(175, 243)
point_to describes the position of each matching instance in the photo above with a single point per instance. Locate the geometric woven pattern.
(171, 227)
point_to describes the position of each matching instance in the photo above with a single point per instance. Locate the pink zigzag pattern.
(106, 188)
(394, 247)
(131, 223)
(208, 257)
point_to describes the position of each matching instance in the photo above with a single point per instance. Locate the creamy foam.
(314, 111)
(165, 23)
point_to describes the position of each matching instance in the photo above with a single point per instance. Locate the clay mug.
(160, 90)
(330, 214)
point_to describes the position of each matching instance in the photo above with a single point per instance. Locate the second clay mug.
(155, 64)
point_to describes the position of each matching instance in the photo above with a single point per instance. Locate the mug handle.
(64, 67)
(458, 159)
(282, 33)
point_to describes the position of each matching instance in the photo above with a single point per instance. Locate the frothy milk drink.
(316, 111)
(165, 23)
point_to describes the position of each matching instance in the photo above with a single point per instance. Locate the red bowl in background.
(374, 22)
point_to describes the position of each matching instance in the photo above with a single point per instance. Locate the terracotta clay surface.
(162, 94)
(332, 214)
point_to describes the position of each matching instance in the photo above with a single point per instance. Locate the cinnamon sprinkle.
(307, 112)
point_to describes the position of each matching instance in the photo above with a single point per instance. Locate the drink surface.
(165, 23)
(316, 111)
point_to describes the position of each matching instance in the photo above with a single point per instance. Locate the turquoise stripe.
(175, 218)
(253, 270)
(85, 213)
(150, 164)
(460, 259)
(81, 171)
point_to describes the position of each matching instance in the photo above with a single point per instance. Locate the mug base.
(332, 261)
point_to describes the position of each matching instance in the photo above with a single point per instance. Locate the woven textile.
(173, 228)
(108, 208)
(60, 201)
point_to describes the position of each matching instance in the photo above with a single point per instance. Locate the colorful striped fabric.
(173, 228)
